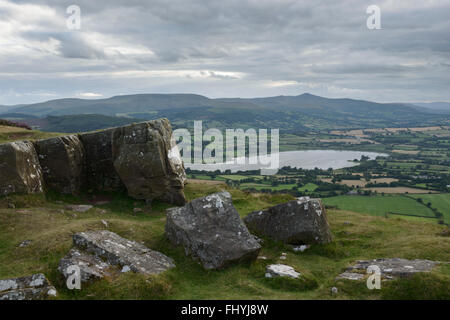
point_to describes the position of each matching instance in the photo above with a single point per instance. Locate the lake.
(305, 159)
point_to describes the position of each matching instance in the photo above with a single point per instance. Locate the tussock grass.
(50, 226)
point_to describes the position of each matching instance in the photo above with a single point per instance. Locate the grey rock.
(118, 251)
(34, 287)
(20, 171)
(334, 290)
(91, 266)
(148, 162)
(79, 207)
(301, 248)
(281, 270)
(99, 171)
(62, 160)
(350, 276)
(294, 222)
(211, 230)
(24, 243)
(395, 267)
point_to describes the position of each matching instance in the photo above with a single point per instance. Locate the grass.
(8, 134)
(46, 222)
(440, 202)
(379, 205)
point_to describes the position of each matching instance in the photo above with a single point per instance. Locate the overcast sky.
(225, 48)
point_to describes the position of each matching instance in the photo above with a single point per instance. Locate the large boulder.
(99, 171)
(117, 251)
(61, 160)
(147, 160)
(20, 171)
(302, 221)
(211, 230)
(34, 287)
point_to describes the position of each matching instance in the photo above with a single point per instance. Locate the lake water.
(307, 159)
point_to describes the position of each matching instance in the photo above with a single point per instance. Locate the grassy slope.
(360, 237)
(8, 134)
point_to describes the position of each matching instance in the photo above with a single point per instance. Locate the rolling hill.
(292, 114)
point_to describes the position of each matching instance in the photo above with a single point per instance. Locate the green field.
(379, 205)
(440, 202)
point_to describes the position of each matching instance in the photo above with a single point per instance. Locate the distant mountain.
(293, 114)
(438, 107)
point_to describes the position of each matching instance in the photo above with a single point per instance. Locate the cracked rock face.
(394, 267)
(281, 270)
(211, 230)
(20, 171)
(34, 287)
(99, 171)
(61, 161)
(302, 221)
(91, 266)
(118, 251)
(147, 160)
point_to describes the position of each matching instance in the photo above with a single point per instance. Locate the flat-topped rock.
(395, 267)
(62, 160)
(148, 162)
(295, 222)
(211, 230)
(79, 207)
(118, 251)
(91, 266)
(281, 270)
(20, 171)
(34, 287)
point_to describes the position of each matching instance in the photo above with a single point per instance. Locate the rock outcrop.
(393, 267)
(211, 230)
(34, 287)
(142, 158)
(148, 162)
(117, 251)
(62, 161)
(20, 171)
(295, 222)
(99, 171)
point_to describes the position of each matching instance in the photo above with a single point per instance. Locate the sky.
(225, 48)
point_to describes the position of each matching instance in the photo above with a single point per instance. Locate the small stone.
(283, 258)
(262, 258)
(301, 248)
(105, 223)
(125, 269)
(25, 243)
(334, 290)
(137, 210)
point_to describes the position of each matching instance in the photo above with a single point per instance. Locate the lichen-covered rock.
(91, 266)
(295, 222)
(147, 160)
(99, 171)
(34, 287)
(62, 160)
(281, 270)
(394, 267)
(118, 251)
(20, 171)
(211, 230)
